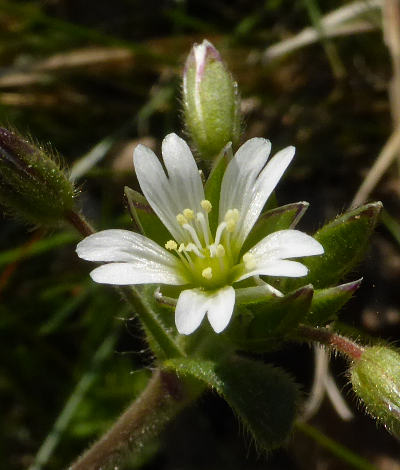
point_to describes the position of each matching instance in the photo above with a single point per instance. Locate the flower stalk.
(343, 345)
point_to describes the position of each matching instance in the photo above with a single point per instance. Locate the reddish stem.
(340, 343)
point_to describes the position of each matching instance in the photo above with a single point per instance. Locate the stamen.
(206, 205)
(249, 261)
(207, 273)
(221, 227)
(230, 225)
(193, 234)
(189, 214)
(220, 251)
(231, 218)
(232, 214)
(181, 219)
(171, 245)
(202, 220)
(192, 247)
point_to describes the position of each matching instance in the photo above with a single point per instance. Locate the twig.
(318, 388)
(391, 34)
(342, 21)
(382, 163)
(324, 382)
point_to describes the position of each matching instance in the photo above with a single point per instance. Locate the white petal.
(286, 244)
(157, 189)
(190, 310)
(170, 195)
(183, 173)
(279, 267)
(263, 187)
(220, 308)
(241, 174)
(128, 274)
(139, 259)
(124, 246)
(246, 185)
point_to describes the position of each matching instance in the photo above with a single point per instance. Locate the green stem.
(329, 47)
(334, 447)
(152, 323)
(164, 396)
(329, 338)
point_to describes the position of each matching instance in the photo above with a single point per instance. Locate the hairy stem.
(339, 343)
(164, 396)
(79, 223)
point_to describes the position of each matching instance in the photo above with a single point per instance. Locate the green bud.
(375, 377)
(210, 101)
(32, 184)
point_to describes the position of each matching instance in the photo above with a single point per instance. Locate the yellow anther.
(220, 251)
(230, 225)
(171, 245)
(207, 273)
(189, 214)
(181, 219)
(232, 214)
(249, 261)
(181, 248)
(206, 205)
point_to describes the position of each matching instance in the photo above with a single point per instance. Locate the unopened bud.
(32, 184)
(210, 101)
(375, 377)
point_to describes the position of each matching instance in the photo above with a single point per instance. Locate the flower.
(207, 263)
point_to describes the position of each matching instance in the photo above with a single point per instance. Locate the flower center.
(209, 260)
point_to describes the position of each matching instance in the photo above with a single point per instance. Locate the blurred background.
(92, 79)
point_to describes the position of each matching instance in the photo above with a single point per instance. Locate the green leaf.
(327, 302)
(280, 218)
(263, 397)
(212, 187)
(146, 221)
(345, 241)
(261, 326)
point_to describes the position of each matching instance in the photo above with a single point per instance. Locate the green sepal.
(264, 397)
(212, 187)
(33, 185)
(145, 220)
(280, 218)
(345, 241)
(211, 103)
(327, 302)
(260, 327)
(375, 377)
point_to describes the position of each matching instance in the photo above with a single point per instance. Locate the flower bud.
(376, 380)
(32, 184)
(210, 101)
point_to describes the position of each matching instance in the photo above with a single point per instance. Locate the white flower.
(209, 263)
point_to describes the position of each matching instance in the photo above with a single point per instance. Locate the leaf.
(280, 218)
(345, 241)
(264, 397)
(146, 221)
(327, 302)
